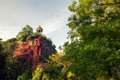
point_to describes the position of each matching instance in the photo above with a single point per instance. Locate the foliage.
(2, 63)
(8, 47)
(27, 30)
(10, 67)
(92, 54)
(94, 50)
(36, 35)
(57, 69)
(38, 73)
(55, 66)
(26, 75)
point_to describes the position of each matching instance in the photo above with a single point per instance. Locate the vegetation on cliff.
(93, 52)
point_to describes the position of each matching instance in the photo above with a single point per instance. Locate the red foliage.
(33, 51)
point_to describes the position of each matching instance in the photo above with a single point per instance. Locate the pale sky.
(52, 15)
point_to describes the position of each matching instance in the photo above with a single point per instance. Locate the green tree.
(2, 62)
(8, 47)
(27, 30)
(94, 49)
(10, 67)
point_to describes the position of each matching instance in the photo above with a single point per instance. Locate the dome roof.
(39, 28)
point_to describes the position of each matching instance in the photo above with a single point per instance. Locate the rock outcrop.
(35, 50)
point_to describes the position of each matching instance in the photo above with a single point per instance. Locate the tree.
(94, 49)
(27, 30)
(10, 67)
(2, 62)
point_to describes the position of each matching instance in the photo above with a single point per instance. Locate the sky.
(51, 15)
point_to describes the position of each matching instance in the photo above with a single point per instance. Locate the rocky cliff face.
(48, 48)
(35, 51)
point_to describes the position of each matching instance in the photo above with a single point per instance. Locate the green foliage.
(16, 69)
(7, 61)
(12, 68)
(38, 73)
(8, 47)
(58, 69)
(25, 75)
(27, 30)
(2, 63)
(95, 42)
(36, 35)
(55, 66)
(92, 54)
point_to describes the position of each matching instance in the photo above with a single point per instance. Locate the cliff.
(34, 50)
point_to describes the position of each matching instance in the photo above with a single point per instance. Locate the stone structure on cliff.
(36, 49)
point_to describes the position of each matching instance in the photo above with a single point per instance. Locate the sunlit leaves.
(107, 1)
(70, 75)
(95, 42)
(37, 74)
(72, 7)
